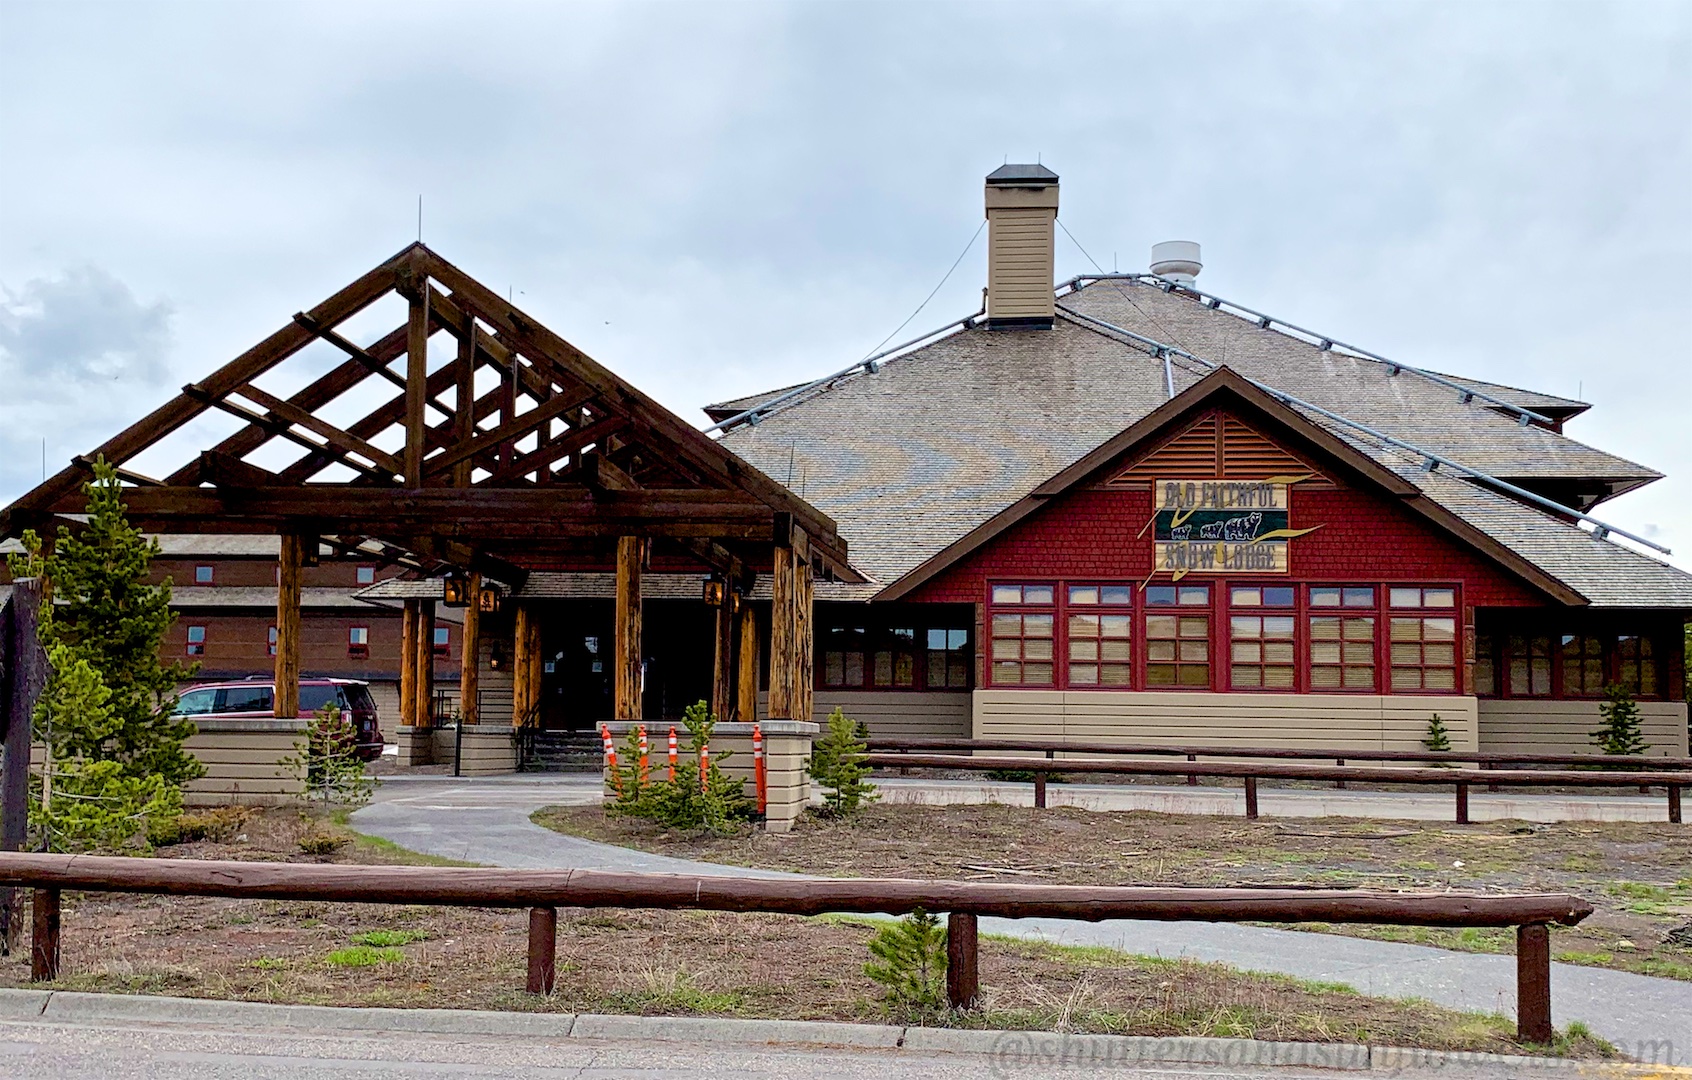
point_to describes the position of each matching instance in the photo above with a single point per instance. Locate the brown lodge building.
(1120, 508)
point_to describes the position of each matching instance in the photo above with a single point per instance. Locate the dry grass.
(1637, 874)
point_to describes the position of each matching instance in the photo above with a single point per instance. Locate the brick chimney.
(1022, 203)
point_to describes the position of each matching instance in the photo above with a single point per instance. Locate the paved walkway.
(487, 821)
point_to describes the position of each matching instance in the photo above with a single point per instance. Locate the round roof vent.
(1177, 260)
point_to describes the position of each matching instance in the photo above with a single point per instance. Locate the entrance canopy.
(510, 451)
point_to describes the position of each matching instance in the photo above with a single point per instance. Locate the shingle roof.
(312, 598)
(553, 585)
(910, 459)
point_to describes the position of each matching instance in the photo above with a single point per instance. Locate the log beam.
(625, 670)
(288, 569)
(416, 387)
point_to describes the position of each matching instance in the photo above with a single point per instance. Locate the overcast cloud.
(716, 199)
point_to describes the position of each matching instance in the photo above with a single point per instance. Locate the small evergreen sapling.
(910, 964)
(1439, 737)
(684, 803)
(837, 763)
(1619, 731)
(326, 761)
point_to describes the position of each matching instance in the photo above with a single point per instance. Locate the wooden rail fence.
(1460, 779)
(544, 891)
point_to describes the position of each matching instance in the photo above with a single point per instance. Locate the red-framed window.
(270, 640)
(443, 643)
(358, 642)
(1528, 661)
(917, 654)
(1422, 637)
(1022, 629)
(1262, 637)
(948, 661)
(1342, 622)
(365, 575)
(196, 641)
(203, 574)
(1099, 633)
(842, 656)
(1636, 665)
(1566, 665)
(1178, 637)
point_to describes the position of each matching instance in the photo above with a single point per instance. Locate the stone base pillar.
(487, 750)
(416, 746)
(787, 748)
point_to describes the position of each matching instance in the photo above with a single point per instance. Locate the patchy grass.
(1637, 874)
(383, 939)
(356, 956)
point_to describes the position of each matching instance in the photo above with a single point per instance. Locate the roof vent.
(1022, 203)
(1177, 260)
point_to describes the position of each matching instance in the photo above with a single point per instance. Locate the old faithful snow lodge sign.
(1223, 526)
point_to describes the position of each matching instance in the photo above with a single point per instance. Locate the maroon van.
(254, 699)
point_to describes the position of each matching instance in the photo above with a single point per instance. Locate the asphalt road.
(48, 1051)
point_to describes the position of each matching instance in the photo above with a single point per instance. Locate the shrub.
(837, 763)
(1619, 731)
(910, 964)
(320, 843)
(683, 803)
(218, 825)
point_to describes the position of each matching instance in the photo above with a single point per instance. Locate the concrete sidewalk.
(487, 821)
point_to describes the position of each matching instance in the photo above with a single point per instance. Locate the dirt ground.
(668, 963)
(1638, 875)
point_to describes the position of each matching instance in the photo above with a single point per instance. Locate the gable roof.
(1226, 389)
(943, 438)
(557, 456)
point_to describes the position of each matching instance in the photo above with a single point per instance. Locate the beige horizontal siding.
(1565, 727)
(894, 714)
(1358, 722)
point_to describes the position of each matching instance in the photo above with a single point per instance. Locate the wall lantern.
(487, 601)
(715, 592)
(496, 655)
(455, 590)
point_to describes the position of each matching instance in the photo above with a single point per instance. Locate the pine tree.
(910, 962)
(1619, 733)
(1439, 737)
(115, 760)
(837, 763)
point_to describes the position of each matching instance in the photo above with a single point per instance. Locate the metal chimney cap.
(1177, 260)
(1022, 175)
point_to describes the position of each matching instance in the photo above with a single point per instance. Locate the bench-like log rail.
(1192, 752)
(1251, 772)
(964, 902)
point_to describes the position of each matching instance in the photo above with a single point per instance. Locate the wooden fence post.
(1040, 791)
(543, 949)
(24, 674)
(1533, 984)
(1462, 804)
(1674, 804)
(963, 973)
(1339, 785)
(1251, 797)
(1192, 778)
(44, 939)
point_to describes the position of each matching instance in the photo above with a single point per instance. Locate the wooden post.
(722, 663)
(1192, 778)
(1462, 804)
(625, 672)
(44, 938)
(543, 949)
(1674, 804)
(425, 707)
(287, 698)
(790, 628)
(963, 973)
(470, 657)
(1251, 796)
(1039, 791)
(1339, 784)
(1533, 984)
(23, 674)
(408, 664)
(523, 704)
(464, 415)
(416, 381)
(747, 654)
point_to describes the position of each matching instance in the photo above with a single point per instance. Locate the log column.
(790, 628)
(287, 697)
(424, 710)
(525, 668)
(625, 670)
(470, 657)
(722, 666)
(748, 661)
(416, 745)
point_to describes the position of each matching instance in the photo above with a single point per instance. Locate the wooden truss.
(521, 446)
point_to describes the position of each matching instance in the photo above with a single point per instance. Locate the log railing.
(544, 891)
(1460, 779)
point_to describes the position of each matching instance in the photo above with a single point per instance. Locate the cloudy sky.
(714, 199)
